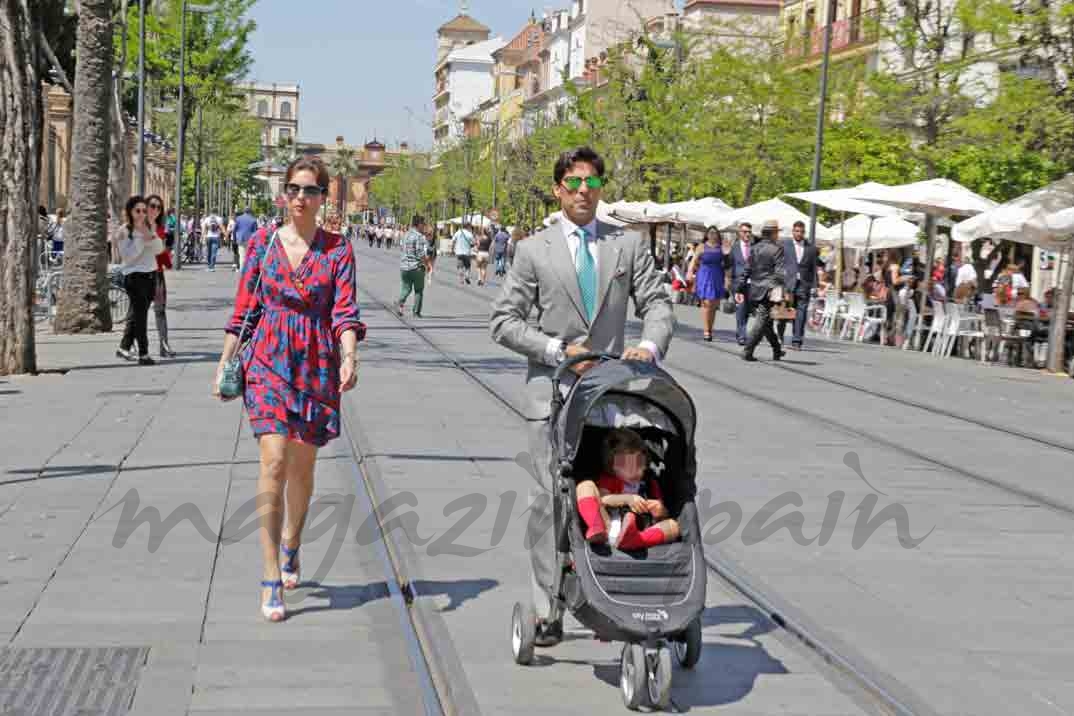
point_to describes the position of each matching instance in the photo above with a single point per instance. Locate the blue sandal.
(290, 571)
(274, 610)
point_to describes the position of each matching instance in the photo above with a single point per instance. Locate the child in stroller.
(624, 495)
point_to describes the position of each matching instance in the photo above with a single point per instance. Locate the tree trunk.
(21, 117)
(83, 306)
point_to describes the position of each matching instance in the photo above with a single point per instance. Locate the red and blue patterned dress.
(297, 318)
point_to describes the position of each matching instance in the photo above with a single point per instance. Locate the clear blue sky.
(360, 63)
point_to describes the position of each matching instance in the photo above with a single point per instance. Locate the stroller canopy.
(623, 394)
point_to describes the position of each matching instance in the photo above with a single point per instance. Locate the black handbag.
(233, 377)
(728, 305)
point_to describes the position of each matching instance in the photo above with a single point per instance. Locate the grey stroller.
(651, 599)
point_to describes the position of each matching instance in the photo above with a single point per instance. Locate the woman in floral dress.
(303, 353)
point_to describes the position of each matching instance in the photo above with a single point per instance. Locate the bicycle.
(119, 301)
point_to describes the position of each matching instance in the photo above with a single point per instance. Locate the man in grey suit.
(580, 274)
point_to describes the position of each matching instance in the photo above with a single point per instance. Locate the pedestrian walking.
(800, 273)
(414, 264)
(740, 262)
(138, 247)
(484, 247)
(244, 227)
(580, 274)
(707, 271)
(499, 251)
(762, 286)
(296, 298)
(462, 244)
(155, 214)
(212, 228)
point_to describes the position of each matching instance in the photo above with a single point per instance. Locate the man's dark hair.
(799, 223)
(574, 156)
(417, 221)
(745, 225)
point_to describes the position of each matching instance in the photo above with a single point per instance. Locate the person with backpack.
(212, 228)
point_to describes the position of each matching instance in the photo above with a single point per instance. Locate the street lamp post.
(141, 97)
(181, 127)
(818, 150)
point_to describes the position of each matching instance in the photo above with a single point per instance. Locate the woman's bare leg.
(270, 487)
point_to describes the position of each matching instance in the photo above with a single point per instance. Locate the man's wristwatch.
(561, 353)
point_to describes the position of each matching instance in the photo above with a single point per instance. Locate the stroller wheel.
(550, 634)
(688, 650)
(633, 675)
(523, 632)
(659, 677)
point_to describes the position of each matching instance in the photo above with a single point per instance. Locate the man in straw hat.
(762, 285)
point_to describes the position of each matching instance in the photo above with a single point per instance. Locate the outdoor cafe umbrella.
(934, 198)
(845, 201)
(872, 234)
(773, 210)
(1043, 218)
(704, 213)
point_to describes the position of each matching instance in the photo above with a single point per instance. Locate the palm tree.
(20, 144)
(344, 165)
(83, 305)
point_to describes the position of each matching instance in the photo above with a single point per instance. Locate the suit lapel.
(608, 263)
(563, 267)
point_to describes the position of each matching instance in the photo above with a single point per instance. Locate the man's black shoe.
(748, 357)
(741, 342)
(778, 354)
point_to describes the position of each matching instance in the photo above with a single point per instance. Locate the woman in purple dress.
(303, 353)
(706, 270)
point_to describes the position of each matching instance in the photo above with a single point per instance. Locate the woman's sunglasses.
(309, 191)
(575, 183)
(156, 206)
(138, 210)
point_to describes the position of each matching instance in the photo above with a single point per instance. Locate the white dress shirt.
(966, 274)
(570, 233)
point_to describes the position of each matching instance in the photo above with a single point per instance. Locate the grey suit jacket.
(543, 276)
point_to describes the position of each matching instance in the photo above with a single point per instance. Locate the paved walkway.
(973, 617)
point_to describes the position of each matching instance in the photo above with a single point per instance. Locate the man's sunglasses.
(575, 183)
(309, 191)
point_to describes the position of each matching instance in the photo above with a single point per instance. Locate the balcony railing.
(848, 33)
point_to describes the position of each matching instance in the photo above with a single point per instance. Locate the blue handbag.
(233, 377)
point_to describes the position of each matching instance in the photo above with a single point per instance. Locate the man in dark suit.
(740, 261)
(800, 264)
(764, 274)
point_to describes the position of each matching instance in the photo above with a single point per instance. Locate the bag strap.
(257, 290)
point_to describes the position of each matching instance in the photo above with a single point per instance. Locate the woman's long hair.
(131, 203)
(160, 217)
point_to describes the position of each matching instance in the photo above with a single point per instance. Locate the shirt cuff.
(550, 351)
(651, 347)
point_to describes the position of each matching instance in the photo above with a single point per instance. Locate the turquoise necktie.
(587, 275)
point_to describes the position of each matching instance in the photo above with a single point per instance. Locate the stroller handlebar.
(568, 364)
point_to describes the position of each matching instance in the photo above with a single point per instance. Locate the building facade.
(465, 80)
(277, 107)
(55, 187)
(718, 22)
(577, 41)
(463, 77)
